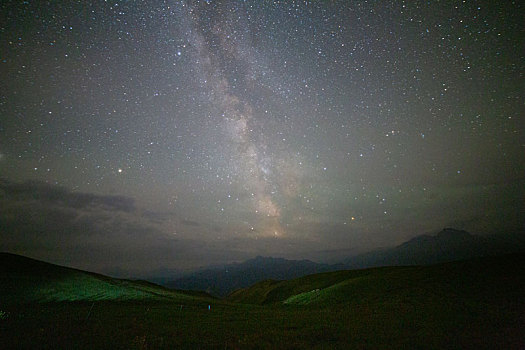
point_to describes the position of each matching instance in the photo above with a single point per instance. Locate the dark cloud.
(89, 231)
(57, 195)
(157, 216)
(104, 234)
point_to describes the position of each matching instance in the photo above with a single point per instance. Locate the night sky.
(139, 135)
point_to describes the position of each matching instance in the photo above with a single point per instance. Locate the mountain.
(25, 280)
(475, 304)
(447, 245)
(478, 280)
(221, 281)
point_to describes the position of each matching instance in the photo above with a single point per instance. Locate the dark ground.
(472, 305)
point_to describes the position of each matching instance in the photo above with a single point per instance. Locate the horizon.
(168, 274)
(186, 134)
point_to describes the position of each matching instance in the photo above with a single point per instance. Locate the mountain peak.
(449, 232)
(222, 281)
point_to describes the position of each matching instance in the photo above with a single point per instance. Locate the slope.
(25, 280)
(481, 279)
(447, 245)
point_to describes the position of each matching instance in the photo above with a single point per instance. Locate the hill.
(220, 281)
(25, 280)
(478, 279)
(474, 304)
(447, 245)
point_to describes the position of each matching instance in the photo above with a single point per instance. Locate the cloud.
(110, 234)
(57, 195)
(88, 231)
(157, 216)
(190, 223)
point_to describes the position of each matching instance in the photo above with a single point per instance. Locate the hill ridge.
(478, 276)
(26, 280)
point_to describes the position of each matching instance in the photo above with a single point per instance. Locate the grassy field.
(476, 304)
(25, 280)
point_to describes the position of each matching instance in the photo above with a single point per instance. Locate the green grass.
(140, 325)
(481, 279)
(25, 280)
(476, 304)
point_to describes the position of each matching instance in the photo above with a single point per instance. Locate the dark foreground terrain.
(473, 304)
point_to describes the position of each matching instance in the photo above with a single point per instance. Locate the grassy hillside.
(482, 278)
(25, 280)
(476, 304)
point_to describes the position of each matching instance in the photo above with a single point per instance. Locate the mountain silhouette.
(220, 281)
(447, 245)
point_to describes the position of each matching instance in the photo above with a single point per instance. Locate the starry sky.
(145, 135)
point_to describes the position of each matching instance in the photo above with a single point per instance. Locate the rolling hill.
(472, 304)
(26, 280)
(447, 245)
(486, 278)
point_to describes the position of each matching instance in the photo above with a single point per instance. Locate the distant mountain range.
(220, 281)
(475, 303)
(447, 245)
(26, 279)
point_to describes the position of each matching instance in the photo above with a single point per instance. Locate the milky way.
(199, 132)
(215, 50)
